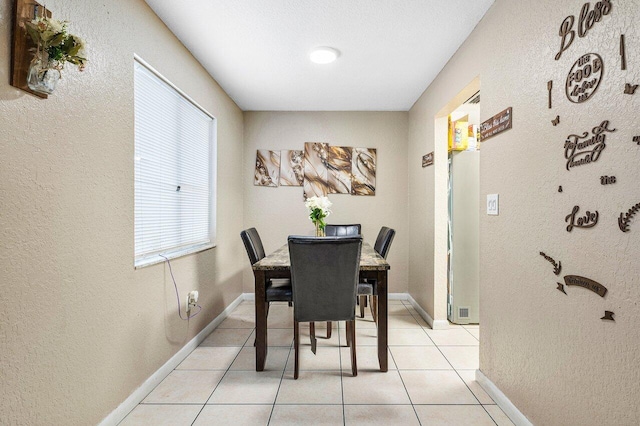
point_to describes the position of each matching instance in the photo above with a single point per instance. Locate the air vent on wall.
(463, 312)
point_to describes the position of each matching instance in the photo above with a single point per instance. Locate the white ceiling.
(257, 50)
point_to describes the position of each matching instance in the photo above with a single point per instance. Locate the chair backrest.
(324, 276)
(253, 244)
(384, 240)
(342, 230)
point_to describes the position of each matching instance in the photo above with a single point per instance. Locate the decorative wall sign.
(496, 124)
(561, 288)
(625, 219)
(267, 171)
(579, 152)
(291, 167)
(560, 189)
(607, 180)
(549, 87)
(608, 315)
(623, 54)
(427, 160)
(557, 266)
(636, 139)
(584, 78)
(630, 89)
(556, 120)
(587, 19)
(575, 280)
(589, 220)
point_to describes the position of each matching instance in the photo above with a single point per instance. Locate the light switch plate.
(493, 205)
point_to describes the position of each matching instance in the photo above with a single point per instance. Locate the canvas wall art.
(339, 170)
(363, 171)
(291, 167)
(267, 171)
(315, 169)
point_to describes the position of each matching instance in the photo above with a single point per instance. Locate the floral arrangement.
(52, 37)
(318, 211)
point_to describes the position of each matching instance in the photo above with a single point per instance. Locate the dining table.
(278, 265)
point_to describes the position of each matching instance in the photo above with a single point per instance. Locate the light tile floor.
(431, 377)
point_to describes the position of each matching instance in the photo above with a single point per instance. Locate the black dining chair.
(342, 230)
(278, 289)
(324, 277)
(367, 289)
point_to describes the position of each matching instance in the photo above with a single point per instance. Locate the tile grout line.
(284, 370)
(405, 387)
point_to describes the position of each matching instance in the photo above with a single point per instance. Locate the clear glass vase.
(43, 74)
(319, 230)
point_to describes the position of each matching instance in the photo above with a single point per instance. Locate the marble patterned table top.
(370, 260)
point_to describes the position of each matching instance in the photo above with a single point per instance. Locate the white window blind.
(174, 140)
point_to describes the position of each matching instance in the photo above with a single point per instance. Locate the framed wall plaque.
(497, 124)
(427, 160)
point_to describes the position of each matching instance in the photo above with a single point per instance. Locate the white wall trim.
(139, 394)
(501, 399)
(434, 324)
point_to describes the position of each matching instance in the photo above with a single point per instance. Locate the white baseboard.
(139, 394)
(434, 324)
(501, 399)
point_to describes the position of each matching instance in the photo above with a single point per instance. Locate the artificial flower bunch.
(319, 209)
(52, 36)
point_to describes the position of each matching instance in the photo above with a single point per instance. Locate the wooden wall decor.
(556, 120)
(625, 218)
(589, 220)
(549, 87)
(24, 10)
(607, 180)
(636, 139)
(497, 124)
(584, 78)
(623, 54)
(630, 89)
(587, 20)
(581, 150)
(576, 280)
(560, 189)
(557, 266)
(427, 160)
(608, 315)
(561, 288)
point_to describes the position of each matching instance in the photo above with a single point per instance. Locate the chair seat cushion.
(365, 289)
(279, 290)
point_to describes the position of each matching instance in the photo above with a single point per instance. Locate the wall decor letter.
(630, 89)
(587, 19)
(589, 220)
(607, 180)
(584, 78)
(608, 315)
(557, 266)
(579, 152)
(575, 280)
(624, 219)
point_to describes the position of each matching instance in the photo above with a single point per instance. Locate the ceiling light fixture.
(324, 55)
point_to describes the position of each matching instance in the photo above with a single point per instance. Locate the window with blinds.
(174, 170)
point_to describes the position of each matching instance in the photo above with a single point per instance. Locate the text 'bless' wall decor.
(588, 18)
(497, 124)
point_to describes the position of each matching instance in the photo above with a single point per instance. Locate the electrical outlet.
(192, 299)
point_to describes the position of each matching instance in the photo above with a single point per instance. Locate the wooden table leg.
(261, 320)
(382, 320)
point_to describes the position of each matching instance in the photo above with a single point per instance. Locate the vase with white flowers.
(54, 47)
(319, 209)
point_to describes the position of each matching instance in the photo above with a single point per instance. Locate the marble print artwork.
(363, 170)
(339, 168)
(291, 167)
(267, 168)
(315, 169)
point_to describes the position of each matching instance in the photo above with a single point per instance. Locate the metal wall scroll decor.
(589, 220)
(607, 180)
(587, 20)
(496, 124)
(556, 120)
(623, 54)
(575, 280)
(581, 150)
(584, 78)
(625, 218)
(630, 89)
(608, 315)
(557, 266)
(427, 160)
(549, 87)
(636, 139)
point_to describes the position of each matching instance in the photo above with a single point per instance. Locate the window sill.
(156, 259)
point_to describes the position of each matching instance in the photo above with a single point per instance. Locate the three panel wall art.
(320, 169)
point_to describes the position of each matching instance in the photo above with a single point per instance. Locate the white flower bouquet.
(319, 209)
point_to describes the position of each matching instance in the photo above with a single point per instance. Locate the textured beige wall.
(80, 328)
(549, 353)
(279, 212)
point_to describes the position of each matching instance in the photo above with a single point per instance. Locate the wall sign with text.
(584, 78)
(497, 124)
(586, 148)
(427, 160)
